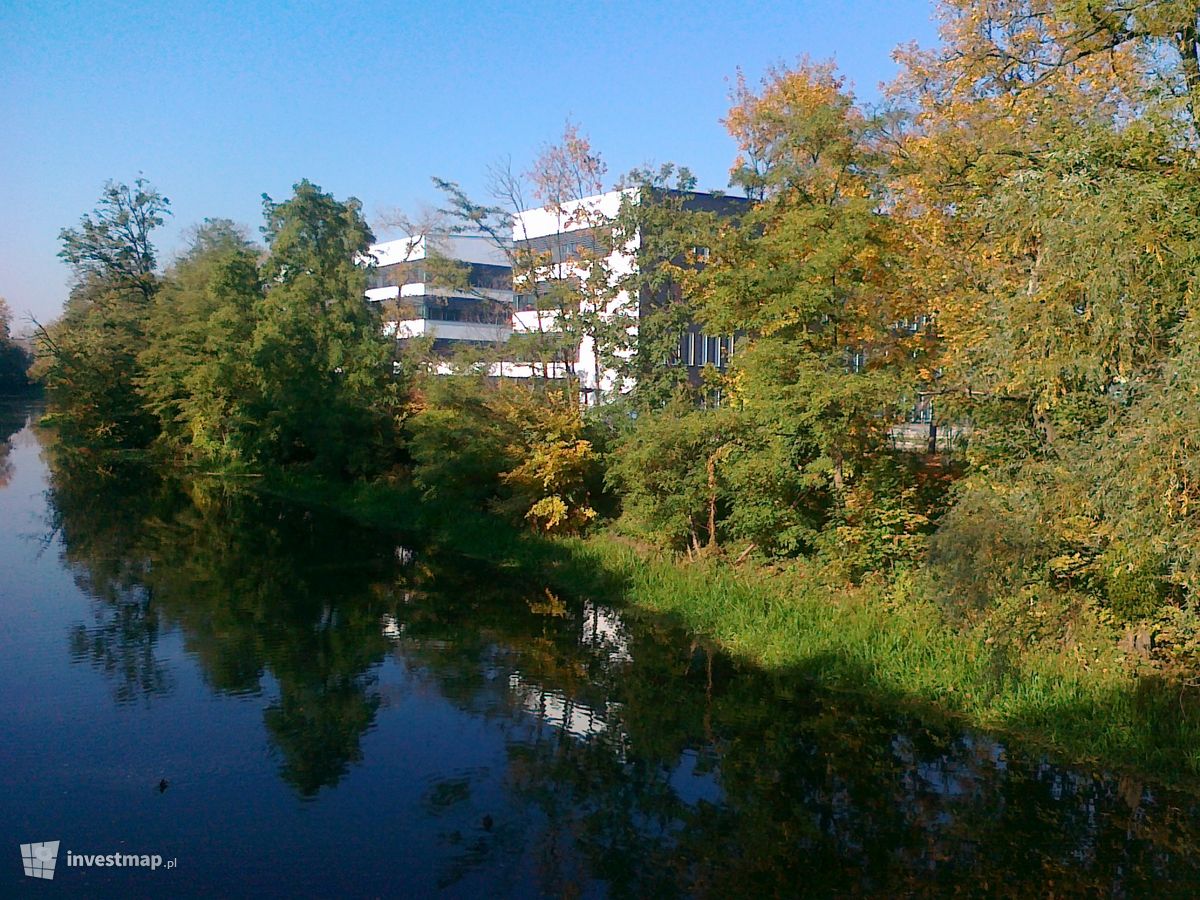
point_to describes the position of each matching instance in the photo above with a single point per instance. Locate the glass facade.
(697, 349)
(454, 309)
(563, 247)
(485, 277)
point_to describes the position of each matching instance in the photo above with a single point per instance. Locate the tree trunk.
(712, 499)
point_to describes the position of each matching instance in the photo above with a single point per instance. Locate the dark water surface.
(288, 705)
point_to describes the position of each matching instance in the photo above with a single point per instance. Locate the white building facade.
(403, 278)
(576, 241)
(574, 244)
(570, 248)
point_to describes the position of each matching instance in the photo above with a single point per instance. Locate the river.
(276, 702)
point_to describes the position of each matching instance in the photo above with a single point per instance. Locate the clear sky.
(216, 103)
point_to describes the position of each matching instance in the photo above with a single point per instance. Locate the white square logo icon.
(39, 859)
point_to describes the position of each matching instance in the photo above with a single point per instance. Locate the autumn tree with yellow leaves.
(1046, 179)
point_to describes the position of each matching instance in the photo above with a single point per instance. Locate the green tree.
(808, 278)
(323, 371)
(666, 469)
(14, 359)
(113, 241)
(198, 380)
(654, 218)
(515, 449)
(89, 357)
(699, 479)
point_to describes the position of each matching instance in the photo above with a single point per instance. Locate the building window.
(922, 411)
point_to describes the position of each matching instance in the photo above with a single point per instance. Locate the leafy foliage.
(231, 356)
(89, 358)
(521, 452)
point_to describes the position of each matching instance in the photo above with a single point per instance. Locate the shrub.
(1134, 582)
(989, 544)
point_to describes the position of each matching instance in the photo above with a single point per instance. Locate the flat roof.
(470, 248)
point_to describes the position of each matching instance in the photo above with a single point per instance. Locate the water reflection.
(636, 761)
(254, 587)
(12, 420)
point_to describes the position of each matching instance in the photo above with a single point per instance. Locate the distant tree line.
(15, 356)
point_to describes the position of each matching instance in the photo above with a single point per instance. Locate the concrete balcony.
(421, 289)
(480, 332)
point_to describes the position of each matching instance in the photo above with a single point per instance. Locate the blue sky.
(217, 102)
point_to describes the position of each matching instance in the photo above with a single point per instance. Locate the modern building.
(569, 241)
(485, 302)
(411, 277)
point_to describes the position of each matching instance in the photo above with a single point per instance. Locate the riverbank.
(879, 640)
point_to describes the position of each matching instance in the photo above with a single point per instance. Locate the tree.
(197, 375)
(569, 305)
(509, 448)
(666, 469)
(89, 357)
(556, 469)
(548, 352)
(1041, 183)
(567, 171)
(1045, 180)
(654, 218)
(228, 358)
(321, 366)
(811, 278)
(809, 275)
(112, 243)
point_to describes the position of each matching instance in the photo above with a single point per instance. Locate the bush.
(515, 450)
(989, 544)
(883, 523)
(1134, 583)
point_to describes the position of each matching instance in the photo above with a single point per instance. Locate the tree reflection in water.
(638, 760)
(254, 587)
(13, 413)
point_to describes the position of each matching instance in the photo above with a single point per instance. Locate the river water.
(280, 703)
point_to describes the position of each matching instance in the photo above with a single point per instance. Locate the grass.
(879, 640)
